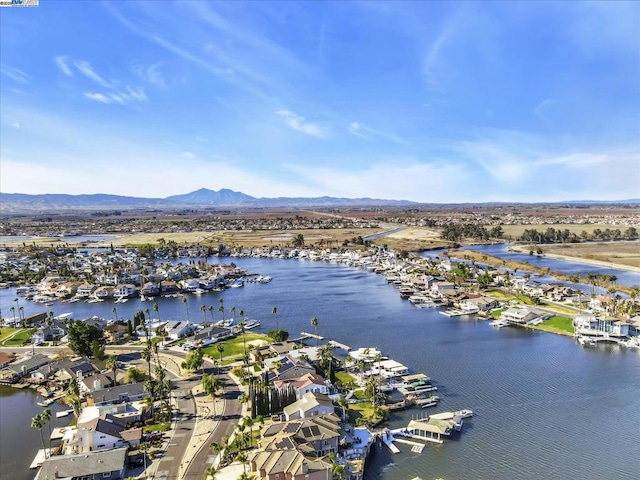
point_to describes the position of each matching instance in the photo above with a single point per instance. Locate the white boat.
(63, 413)
(251, 324)
(499, 323)
(199, 291)
(465, 413)
(586, 341)
(237, 284)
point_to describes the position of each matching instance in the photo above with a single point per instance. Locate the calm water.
(545, 407)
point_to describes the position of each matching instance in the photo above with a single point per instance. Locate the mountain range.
(21, 203)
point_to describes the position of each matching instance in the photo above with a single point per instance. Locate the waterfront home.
(86, 290)
(168, 287)
(287, 367)
(89, 465)
(318, 436)
(387, 369)
(124, 290)
(366, 354)
(130, 392)
(176, 329)
(103, 433)
(479, 304)
(520, 315)
(95, 382)
(310, 405)
(103, 292)
(209, 335)
(150, 289)
(190, 285)
(591, 325)
(25, 367)
(309, 382)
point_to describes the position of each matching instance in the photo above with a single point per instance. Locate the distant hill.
(20, 202)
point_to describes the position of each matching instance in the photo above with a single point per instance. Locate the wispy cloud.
(187, 155)
(85, 68)
(299, 123)
(14, 74)
(98, 97)
(16, 125)
(151, 73)
(366, 132)
(63, 65)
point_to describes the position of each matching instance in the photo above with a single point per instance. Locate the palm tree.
(13, 310)
(211, 385)
(221, 310)
(244, 342)
(242, 458)
(274, 310)
(112, 364)
(220, 349)
(186, 305)
(155, 309)
(210, 472)
(146, 356)
(344, 405)
(233, 312)
(148, 313)
(115, 313)
(46, 417)
(211, 313)
(314, 324)
(203, 309)
(36, 422)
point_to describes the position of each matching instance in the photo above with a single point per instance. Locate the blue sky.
(424, 101)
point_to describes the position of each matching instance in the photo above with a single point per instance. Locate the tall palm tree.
(274, 311)
(46, 417)
(314, 324)
(155, 309)
(13, 310)
(244, 343)
(146, 356)
(211, 385)
(211, 313)
(220, 349)
(115, 313)
(233, 312)
(36, 422)
(344, 406)
(148, 313)
(242, 458)
(186, 305)
(203, 309)
(112, 364)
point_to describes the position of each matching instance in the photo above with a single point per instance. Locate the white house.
(310, 405)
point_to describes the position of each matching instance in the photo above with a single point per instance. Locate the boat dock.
(453, 312)
(311, 335)
(340, 345)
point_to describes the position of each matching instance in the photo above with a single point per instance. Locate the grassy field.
(556, 324)
(6, 332)
(234, 347)
(18, 338)
(346, 378)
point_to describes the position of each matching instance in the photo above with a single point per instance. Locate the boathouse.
(432, 430)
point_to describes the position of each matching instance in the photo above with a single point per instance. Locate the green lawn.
(345, 378)
(20, 338)
(234, 347)
(156, 427)
(497, 312)
(556, 324)
(7, 331)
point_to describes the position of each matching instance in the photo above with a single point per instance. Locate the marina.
(357, 307)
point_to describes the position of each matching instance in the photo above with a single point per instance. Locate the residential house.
(591, 325)
(124, 290)
(95, 382)
(176, 329)
(318, 436)
(310, 405)
(86, 466)
(130, 392)
(115, 332)
(309, 382)
(287, 367)
(520, 316)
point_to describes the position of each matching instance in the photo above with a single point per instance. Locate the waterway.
(545, 407)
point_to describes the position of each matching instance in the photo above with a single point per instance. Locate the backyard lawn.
(557, 324)
(234, 347)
